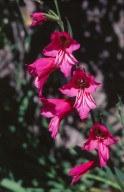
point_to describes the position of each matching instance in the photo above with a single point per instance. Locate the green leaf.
(120, 112)
(120, 174)
(116, 177)
(54, 190)
(69, 28)
(106, 181)
(11, 185)
(34, 190)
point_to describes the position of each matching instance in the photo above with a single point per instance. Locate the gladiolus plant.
(77, 93)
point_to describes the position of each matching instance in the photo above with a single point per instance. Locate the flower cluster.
(58, 54)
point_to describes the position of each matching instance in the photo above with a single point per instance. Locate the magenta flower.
(100, 138)
(80, 170)
(56, 109)
(61, 48)
(37, 18)
(81, 85)
(41, 69)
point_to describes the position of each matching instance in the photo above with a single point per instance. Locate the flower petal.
(41, 69)
(39, 83)
(48, 110)
(78, 171)
(90, 145)
(65, 61)
(37, 18)
(60, 41)
(110, 140)
(104, 155)
(74, 46)
(84, 102)
(57, 107)
(54, 126)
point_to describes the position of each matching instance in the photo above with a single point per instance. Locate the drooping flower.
(80, 170)
(100, 138)
(37, 18)
(41, 69)
(56, 109)
(81, 85)
(61, 48)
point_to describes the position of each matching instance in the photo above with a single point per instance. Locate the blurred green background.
(30, 161)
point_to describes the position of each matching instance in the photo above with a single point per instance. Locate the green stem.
(57, 8)
(52, 17)
(92, 116)
(122, 122)
(59, 15)
(120, 109)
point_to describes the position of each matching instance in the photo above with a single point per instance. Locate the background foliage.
(30, 161)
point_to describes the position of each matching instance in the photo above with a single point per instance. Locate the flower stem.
(92, 116)
(57, 8)
(60, 22)
(121, 118)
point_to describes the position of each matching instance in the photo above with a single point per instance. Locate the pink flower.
(56, 109)
(41, 69)
(38, 18)
(100, 138)
(81, 85)
(80, 170)
(61, 47)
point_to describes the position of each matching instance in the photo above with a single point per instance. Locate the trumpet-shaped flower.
(37, 18)
(81, 85)
(100, 138)
(56, 109)
(61, 47)
(80, 170)
(41, 69)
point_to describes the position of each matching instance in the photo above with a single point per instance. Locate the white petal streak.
(65, 61)
(79, 99)
(71, 59)
(90, 101)
(84, 102)
(59, 57)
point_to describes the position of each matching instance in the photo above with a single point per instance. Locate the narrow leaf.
(69, 28)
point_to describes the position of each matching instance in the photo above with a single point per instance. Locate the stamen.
(64, 42)
(99, 134)
(83, 83)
